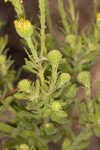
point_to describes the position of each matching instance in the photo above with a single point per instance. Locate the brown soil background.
(85, 8)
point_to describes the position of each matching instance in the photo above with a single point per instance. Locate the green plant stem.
(83, 136)
(72, 9)
(89, 100)
(63, 15)
(37, 89)
(41, 75)
(49, 21)
(42, 21)
(6, 103)
(18, 7)
(54, 77)
(32, 48)
(95, 6)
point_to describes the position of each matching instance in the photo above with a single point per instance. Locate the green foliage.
(66, 144)
(43, 108)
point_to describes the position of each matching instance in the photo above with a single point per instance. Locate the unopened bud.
(56, 106)
(84, 78)
(24, 85)
(63, 79)
(70, 38)
(54, 57)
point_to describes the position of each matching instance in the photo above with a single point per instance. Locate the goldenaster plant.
(43, 108)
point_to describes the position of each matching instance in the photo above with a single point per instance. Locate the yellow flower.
(23, 27)
(5, 1)
(98, 17)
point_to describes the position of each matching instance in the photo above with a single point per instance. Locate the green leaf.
(51, 42)
(67, 50)
(20, 96)
(97, 130)
(6, 128)
(90, 57)
(46, 112)
(6, 103)
(83, 113)
(83, 145)
(84, 136)
(72, 91)
(66, 144)
(3, 42)
(42, 146)
(13, 142)
(59, 116)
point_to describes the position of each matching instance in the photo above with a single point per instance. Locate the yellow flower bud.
(98, 17)
(56, 106)
(23, 27)
(5, 1)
